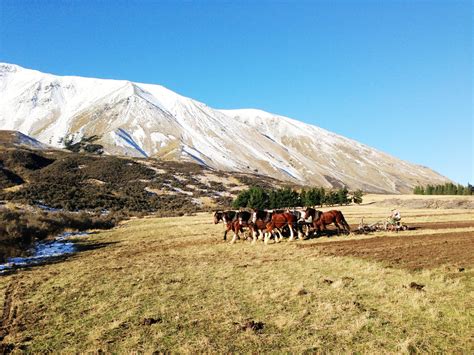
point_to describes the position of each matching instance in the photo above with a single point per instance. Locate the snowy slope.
(147, 120)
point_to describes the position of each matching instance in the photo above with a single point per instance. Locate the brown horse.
(278, 221)
(228, 218)
(259, 222)
(233, 221)
(258, 227)
(242, 219)
(322, 219)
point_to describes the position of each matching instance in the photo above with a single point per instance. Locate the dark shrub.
(8, 178)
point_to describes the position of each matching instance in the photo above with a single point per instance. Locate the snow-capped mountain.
(147, 120)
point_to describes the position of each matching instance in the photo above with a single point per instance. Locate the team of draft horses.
(265, 224)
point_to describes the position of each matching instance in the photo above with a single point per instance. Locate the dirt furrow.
(409, 252)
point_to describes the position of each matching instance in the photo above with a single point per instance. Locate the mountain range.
(145, 120)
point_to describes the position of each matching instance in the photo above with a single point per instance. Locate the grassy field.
(172, 284)
(380, 197)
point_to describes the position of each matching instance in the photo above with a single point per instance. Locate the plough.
(386, 225)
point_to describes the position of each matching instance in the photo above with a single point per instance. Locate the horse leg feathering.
(281, 236)
(300, 234)
(292, 235)
(266, 238)
(254, 237)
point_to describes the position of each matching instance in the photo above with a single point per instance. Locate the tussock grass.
(204, 295)
(31, 225)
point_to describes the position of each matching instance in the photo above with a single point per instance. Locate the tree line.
(446, 189)
(257, 197)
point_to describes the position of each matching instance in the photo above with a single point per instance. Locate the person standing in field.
(395, 216)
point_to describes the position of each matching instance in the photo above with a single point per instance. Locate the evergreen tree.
(288, 198)
(448, 189)
(357, 196)
(445, 189)
(273, 199)
(313, 197)
(241, 200)
(342, 198)
(469, 190)
(303, 197)
(331, 198)
(258, 198)
(429, 190)
(322, 196)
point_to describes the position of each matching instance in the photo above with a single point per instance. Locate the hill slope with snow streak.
(146, 120)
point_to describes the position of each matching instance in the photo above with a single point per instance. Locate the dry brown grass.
(171, 284)
(370, 198)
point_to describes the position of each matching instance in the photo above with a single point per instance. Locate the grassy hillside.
(79, 181)
(171, 284)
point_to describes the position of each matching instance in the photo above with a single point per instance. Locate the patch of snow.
(223, 193)
(196, 201)
(160, 138)
(48, 208)
(44, 251)
(180, 178)
(177, 189)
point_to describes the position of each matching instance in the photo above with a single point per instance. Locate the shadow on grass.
(326, 233)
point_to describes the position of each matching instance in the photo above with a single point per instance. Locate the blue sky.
(395, 75)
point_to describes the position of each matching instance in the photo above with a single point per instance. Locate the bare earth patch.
(432, 225)
(410, 252)
(444, 225)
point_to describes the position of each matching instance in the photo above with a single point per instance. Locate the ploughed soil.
(408, 251)
(444, 225)
(428, 225)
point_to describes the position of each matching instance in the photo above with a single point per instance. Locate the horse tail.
(345, 224)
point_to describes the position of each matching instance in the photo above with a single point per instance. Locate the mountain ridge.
(147, 120)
